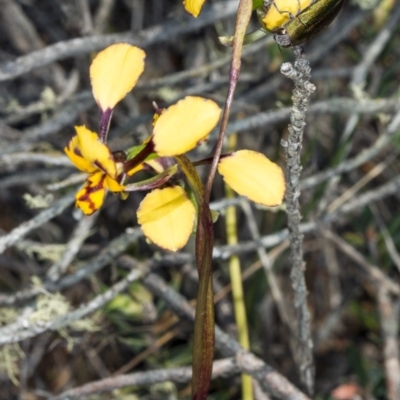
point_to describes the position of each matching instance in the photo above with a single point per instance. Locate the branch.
(40, 219)
(24, 329)
(300, 74)
(389, 318)
(107, 255)
(151, 36)
(221, 368)
(270, 380)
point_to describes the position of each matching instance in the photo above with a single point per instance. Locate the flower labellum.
(90, 155)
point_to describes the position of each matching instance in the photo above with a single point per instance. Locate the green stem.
(236, 282)
(203, 341)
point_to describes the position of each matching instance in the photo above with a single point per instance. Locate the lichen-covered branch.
(300, 75)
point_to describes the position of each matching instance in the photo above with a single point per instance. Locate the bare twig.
(389, 242)
(373, 273)
(266, 263)
(376, 48)
(338, 105)
(358, 160)
(203, 70)
(108, 254)
(64, 117)
(327, 42)
(78, 237)
(16, 159)
(26, 227)
(270, 380)
(351, 192)
(86, 17)
(151, 36)
(220, 252)
(24, 329)
(300, 74)
(389, 318)
(73, 179)
(221, 368)
(102, 15)
(25, 37)
(356, 204)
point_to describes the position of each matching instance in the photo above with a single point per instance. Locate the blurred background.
(349, 200)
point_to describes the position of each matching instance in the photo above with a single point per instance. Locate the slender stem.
(242, 20)
(204, 339)
(105, 119)
(236, 282)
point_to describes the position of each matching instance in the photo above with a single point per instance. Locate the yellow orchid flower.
(90, 155)
(193, 6)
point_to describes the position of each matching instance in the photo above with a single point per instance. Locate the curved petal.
(193, 6)
(91, 197)
(253, 175)
(281, 11)
(167, 217)
(114, 72)
(134, 170)
(73, 151)
(96, 152)
(183, 125)
(113, 185)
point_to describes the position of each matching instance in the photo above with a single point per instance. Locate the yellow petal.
(114, 72)
(156, 165)
(251, 174)
(96, 152)
(74, 153)
(183, 125)
(113, 185)
(193, 6)
(281, 11)
(167, 217)
(134, 170)
(91, 197)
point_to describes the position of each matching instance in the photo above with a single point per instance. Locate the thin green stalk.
(236, 282)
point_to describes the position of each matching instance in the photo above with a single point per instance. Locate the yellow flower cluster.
(166, 214)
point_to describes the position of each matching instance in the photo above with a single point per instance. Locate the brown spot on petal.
(99, 165)
(88, 191)
(77, 152)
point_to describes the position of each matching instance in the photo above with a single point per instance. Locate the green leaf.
(257, 4)
(135, 150)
